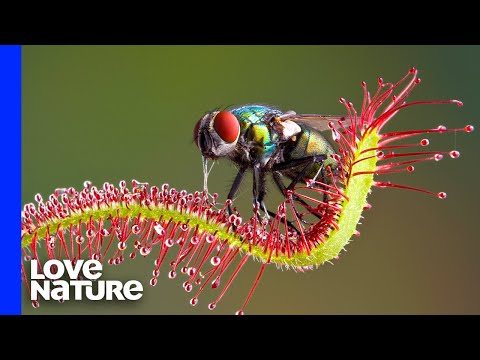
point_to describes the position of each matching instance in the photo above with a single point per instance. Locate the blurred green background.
(107, 113)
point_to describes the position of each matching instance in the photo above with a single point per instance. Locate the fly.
(266, 141)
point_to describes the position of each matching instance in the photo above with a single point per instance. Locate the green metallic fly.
(266, 140)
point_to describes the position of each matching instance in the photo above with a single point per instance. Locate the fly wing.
(316, 121)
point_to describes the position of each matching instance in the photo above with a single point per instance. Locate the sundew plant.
(206, 245)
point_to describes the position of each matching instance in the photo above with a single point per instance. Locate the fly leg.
(259, 191)
(236, 184)
(289, 223)
(278, 181)
(309, 162)
(233, 190)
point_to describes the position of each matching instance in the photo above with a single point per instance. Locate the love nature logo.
(50, 286)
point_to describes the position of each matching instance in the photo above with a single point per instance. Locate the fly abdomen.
(309, 143)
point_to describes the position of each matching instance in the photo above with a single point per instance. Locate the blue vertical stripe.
(10, 122)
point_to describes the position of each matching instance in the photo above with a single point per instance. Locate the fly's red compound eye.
(226, 125)
(195, 131)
